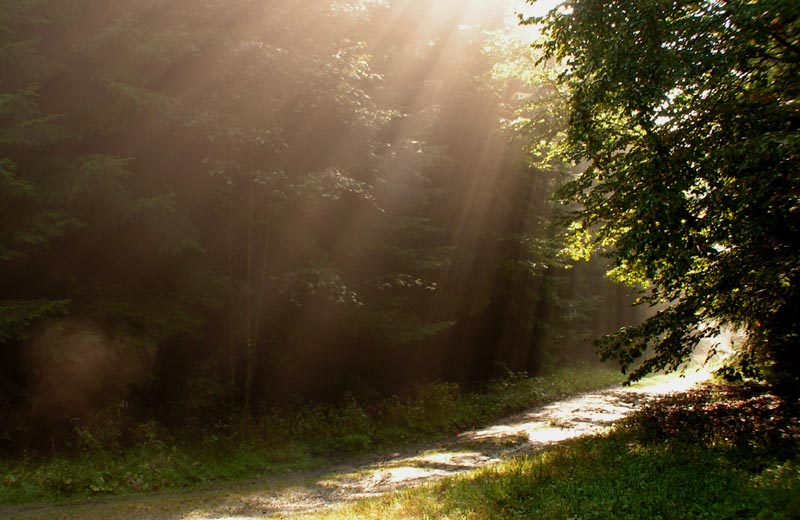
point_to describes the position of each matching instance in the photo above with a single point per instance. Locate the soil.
(299, 494)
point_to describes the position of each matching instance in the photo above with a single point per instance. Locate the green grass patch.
(717, 453)
(292, 438)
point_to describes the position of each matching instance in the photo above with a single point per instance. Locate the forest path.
(297, 494)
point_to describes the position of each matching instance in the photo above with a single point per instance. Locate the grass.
(724, 452)
(297, 438)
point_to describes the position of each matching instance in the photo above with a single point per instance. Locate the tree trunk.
(233, 351)
(249, 347)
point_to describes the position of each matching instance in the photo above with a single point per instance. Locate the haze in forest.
(255, 239)
(221, 206)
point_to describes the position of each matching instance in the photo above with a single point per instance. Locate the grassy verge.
(716, 453)
(303, 437)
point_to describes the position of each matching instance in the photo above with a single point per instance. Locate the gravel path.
(294, 495)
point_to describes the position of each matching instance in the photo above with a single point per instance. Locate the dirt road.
(296, 494)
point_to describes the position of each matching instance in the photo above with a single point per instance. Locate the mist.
(221, 207)
(76, 370)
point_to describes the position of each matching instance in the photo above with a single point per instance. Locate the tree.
(88, 226)
(289, 202)
(686, 116)
(271, 135)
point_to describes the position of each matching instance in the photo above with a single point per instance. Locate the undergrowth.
(720, 452)
(290, 438)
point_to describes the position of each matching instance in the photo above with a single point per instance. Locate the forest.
(293, 203)
(231, 219)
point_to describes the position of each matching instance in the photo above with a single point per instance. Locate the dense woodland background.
(210, 207)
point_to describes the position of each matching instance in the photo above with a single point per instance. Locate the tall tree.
(685, 113)
(87, 229)
(29, 222)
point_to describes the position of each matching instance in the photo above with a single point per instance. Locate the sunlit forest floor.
(717, 451)
(283, 442)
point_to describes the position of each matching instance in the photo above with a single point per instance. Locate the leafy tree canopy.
(686, 116)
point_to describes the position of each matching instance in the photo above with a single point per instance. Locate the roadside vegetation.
(720, 451)
(296, 437)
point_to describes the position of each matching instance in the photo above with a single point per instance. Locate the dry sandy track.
(296, 494)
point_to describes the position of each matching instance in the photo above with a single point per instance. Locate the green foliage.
(262, 209)
(149, 323)
(18, 317)
(67, 186)
(684, 114)
(720, 453)
(292, 437)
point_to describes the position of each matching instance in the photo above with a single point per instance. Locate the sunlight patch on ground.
(583, 415)
(586, 414)
(404, 471)
(672, 383)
